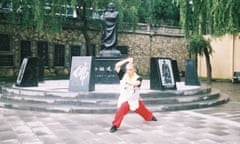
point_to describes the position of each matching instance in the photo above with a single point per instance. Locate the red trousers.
(124, 109)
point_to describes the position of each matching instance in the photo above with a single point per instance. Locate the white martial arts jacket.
(129, 93)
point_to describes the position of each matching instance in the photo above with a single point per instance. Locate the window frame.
(7, 52)
(56, 62)
(45, 61)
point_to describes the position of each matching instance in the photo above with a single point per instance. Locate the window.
(6, 56)
(5, 42)
(42, 49)
(25, 50)
(59, 55)
(6, 60)
(75, 51)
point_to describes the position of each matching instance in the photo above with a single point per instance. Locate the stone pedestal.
(104, 70)
(163, 73)
(191, 76)
(82, 74)
(29, 72)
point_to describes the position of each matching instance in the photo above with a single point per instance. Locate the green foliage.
(163, 12)
(216, 17)
(43, 16)
(197, 44)
(128, 11)
(225, 15)
(48, 16)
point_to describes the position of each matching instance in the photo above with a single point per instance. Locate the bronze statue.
(109, 19)
(109, 36)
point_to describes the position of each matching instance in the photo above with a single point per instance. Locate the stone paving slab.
(181, 127)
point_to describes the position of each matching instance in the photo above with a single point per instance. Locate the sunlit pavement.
(214, 125)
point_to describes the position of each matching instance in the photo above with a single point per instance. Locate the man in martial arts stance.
(129, 98)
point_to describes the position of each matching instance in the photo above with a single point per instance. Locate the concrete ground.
(214, 125)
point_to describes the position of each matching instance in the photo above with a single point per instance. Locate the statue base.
(110, 53)
(104, 70)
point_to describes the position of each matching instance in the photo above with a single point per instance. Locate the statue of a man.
(109, 20)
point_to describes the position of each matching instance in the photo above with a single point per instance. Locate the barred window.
(59, 55)
(6, 55)
(5, 42)
(6, 60)
(75, 51)
(42, 49)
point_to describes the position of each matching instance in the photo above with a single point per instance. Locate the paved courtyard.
(214, 125)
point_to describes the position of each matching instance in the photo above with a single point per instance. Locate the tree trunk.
(88, 47)
(208, 66)
(83, 16)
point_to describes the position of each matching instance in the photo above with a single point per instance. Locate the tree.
(165, 13)
(51, 16)
(198, 45)
(213, 17)
(194, 18)
(225, 17)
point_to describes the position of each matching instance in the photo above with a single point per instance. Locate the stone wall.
(143, 44)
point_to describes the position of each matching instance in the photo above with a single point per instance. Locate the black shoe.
(113, 129)
(154, 118)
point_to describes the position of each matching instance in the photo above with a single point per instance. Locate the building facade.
(56, 51)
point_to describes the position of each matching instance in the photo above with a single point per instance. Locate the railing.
(154, 30)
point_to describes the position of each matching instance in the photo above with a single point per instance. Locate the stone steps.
(109, 105)
(105, 100)
(111, 109)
